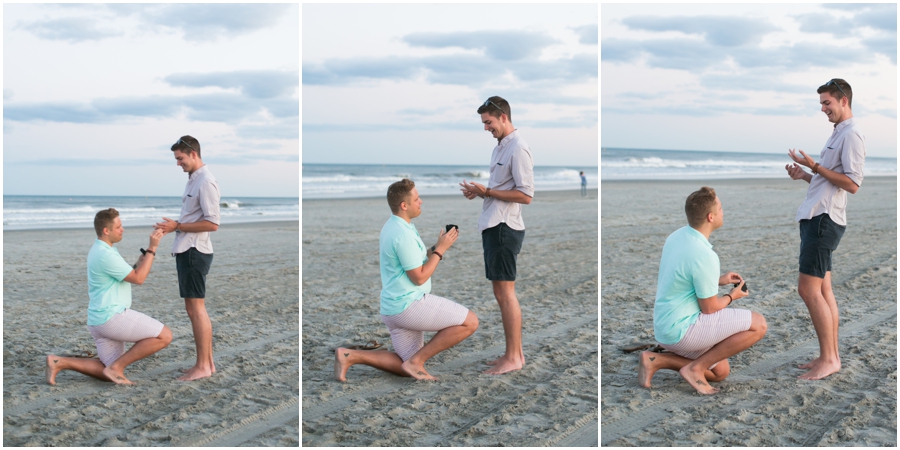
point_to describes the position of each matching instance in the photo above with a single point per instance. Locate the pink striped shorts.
(126, 326)
(429, 313)
(709, 330)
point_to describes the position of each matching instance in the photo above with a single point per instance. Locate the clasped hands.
(167, 225)
(472, 190)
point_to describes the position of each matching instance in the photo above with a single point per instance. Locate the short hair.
(187, 144)
(835, 89)
(398, 193)
(698, 205)
(496, 106)
(104, 219)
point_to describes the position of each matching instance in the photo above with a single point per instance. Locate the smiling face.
(413, 204)
(187, 161)
(499, 127)
(836, 110)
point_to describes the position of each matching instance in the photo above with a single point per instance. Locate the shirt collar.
(197, 172)
(400, 220)
(509, 137)
(698, 235)
(844, 124)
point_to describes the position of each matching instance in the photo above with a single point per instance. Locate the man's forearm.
(838, 179)
(514, 195)
(197, 227)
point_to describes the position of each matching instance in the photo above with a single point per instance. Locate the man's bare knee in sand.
(690, 319)
(407, 306)
(111, 320)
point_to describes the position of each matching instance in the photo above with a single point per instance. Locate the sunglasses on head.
(489, 102)
(181, 141)
(832, 82)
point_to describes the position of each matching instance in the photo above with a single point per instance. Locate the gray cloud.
(71, 29)
(500, 45)
(718, 30)
(588, 34)
(466, 70)
(197, 22)
(253, 83)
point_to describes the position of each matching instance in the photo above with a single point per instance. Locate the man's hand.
(446, 239)
(795, 172)
(738, 292)
(730, 278)
(167, 225)
(806, 160)
(472, 190)
(155, 236)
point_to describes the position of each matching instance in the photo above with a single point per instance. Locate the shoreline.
(265, 223)
(426, 195)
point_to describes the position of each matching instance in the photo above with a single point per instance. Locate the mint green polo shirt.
(688, 271)
(109, 294)
(401, 249)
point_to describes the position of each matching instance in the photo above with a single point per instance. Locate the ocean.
(26, 212)
(359, 180)
(637, 164)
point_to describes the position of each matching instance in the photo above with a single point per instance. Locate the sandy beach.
(762, 403)
(552, 401)
(252, 300)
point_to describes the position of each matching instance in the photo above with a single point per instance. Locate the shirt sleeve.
(115, 266)
(523, 171)
(853, 157)
(209, 202)
(409, 252)
(706, 276)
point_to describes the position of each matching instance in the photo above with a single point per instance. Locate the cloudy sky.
(400, 84)
(95, 95)
(744, 77)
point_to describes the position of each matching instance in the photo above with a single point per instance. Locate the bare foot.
(822, 370)
(646, 368)
(811, 364)
(195, 373)
(188, 369)
(52, 369)
(694, 376)
(341, 363)
(116, 376)
(504, 365)
(417, 371)
(499, 360)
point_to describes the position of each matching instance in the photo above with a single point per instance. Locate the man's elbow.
(852, 188)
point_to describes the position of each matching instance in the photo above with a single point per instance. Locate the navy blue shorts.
(819, 237)
(193, 267)
(501, 247)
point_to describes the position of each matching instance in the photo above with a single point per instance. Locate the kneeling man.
(111, 320)
(407, 307)
(689, 318)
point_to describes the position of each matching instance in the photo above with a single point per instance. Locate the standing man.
(193, 248)
(823, 218)
(110, 318)
(510, 186)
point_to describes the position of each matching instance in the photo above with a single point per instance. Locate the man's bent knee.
(165, 335)
(758, 324)
(471, 321)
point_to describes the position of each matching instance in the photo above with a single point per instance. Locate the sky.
(95, 95)
(400, 84)
(744, 77)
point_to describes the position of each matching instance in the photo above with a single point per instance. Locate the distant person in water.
(111, 320)
(690, 319)
(407, 306)
(583, 185)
